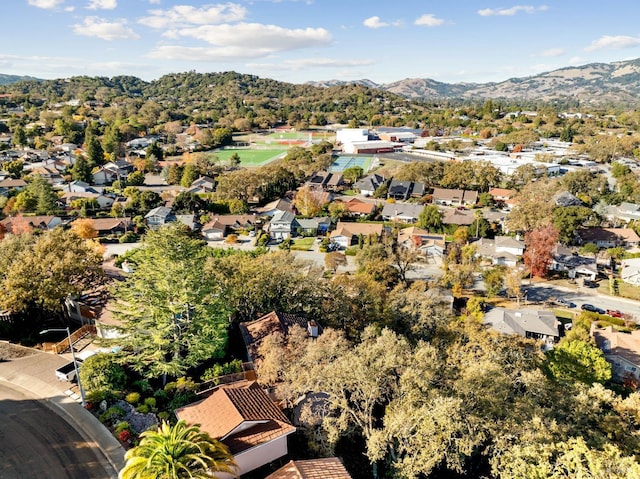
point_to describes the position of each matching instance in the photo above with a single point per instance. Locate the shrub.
(150, 402)
(102, 372)
(143, 409)
(124, 436)
(163, 415)
(111, 414)
(216, 370)
(133, 398)
(143, 386)
(122, 426)
(128, 237)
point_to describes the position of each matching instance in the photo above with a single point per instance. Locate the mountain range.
(595, 83)
(617, 82)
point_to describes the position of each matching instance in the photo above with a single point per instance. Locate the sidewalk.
(35, 375)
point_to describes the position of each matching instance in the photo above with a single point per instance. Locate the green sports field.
(250, 157)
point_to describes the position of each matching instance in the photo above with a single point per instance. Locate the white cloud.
(270, 38)
(509, 12)
(374, 22)
(610, 41)
(552, 52)
(102, 4)
(46, 4)
(154, 2)
(97, 27)
(183, 15)
(428, 20)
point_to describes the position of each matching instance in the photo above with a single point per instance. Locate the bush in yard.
(124, 436)
(101, 372)
(111, 414)
(150, 402)
(143, 409)
(133, 398)
(122, 426)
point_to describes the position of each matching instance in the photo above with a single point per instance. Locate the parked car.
(591, 308)
(566, 303)
(615, 313)
(590, 284)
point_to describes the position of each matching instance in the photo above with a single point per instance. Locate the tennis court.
(341, 163)
(251, 157)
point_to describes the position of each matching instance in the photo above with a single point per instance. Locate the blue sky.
(302, 40)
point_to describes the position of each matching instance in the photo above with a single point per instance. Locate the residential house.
(326, 181)
(283, 225)
(454, 197)
(254, 332)
(325, 468)
(430, 245)
(503, 198)
(347, 234)
(80, 187)
(360, 209)
(403, 190)
(625, 212)
(202, 185)
(112, 171)
(502, 250)
(279, 205)
(313, 226)
(22, 223)
(622, 350)
(111, 226)
(243, 417)
(220, 226)
(630, 272)
(564, 198)
(529, 323)
(190, 220)
(454, 216)
(403, 212)
(575, 265)
(68, 197)
(369, 184)
(608, 237)
(49, 173)
(13, 184)
(159, 216)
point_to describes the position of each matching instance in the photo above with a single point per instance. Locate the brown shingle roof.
(327, 468)
(253, 332)
(354, 229)
(238, 404)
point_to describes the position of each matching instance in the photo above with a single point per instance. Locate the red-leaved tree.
(539, 247)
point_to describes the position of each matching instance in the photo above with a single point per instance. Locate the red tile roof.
(328, 468)
(238, 404)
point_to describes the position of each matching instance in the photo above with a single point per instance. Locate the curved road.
(36, 442)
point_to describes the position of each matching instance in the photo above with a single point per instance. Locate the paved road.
(35, 442)
(544, 291)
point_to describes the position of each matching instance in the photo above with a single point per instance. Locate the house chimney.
(312, 328)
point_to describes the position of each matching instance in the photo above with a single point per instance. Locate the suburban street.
(35, 442)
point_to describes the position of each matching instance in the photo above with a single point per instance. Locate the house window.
(630, 369)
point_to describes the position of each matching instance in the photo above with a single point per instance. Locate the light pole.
(73, 355)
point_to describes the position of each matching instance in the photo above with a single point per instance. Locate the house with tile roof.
(359, 208)
(430, 245)
(243, 417)
(622, 350)
(325, 468)
(23, 223)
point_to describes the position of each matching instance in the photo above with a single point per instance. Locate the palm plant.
(177, 452)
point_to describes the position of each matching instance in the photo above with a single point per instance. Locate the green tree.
(14, 168)
(569, 219)
(19, 137)
(170, 319)
(81, 170)
(430, 218)
(494, 279)
(155, 150)
(136, 178)
(93, 148)
(189, 175)
(177, 452)
(572, 361)
(39, 272)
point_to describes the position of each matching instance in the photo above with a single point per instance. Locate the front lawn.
(303, 244)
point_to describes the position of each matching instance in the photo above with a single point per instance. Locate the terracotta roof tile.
(328, 468)
(234, 405)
